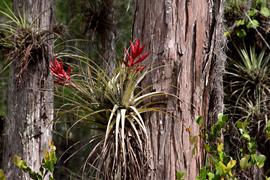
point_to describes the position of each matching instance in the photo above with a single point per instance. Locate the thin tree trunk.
(186, 38)
(28, 124)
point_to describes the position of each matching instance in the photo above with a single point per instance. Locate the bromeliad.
(135, 56)
(57, 70)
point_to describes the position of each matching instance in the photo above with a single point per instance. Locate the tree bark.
(28, 124)
(108, 35)
(185, 38)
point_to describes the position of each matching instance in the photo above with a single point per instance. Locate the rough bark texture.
(108, 35)
(28, 124)
(185, 37)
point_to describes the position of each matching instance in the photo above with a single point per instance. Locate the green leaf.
(260, 159)
(50, 159)
(199, 120)
(203, 174)
(244, 162)
(252, 12)
(207, 148)
(220, 168)
(265, 11)
(220, 147)
(231, 164)
(222, 118)
(180, 175)
(240, 22)
(211, 175)
(252, 146)
(2, 175)
(253, 24)
(21, 164)
(241, 33)
(227, 33)
(246, 136)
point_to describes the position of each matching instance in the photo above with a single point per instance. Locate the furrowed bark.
(28, 124)
(185, 38)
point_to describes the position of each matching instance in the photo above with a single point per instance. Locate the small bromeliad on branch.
(24, 42)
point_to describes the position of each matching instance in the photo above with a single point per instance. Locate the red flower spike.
(133, 49)
(135, 52)
(57, 70)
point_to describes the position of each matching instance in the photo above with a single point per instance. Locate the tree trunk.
(108, 35)
(186, 38)
(28, 124)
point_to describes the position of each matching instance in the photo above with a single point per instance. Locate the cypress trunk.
(185, 38)
(28, 126)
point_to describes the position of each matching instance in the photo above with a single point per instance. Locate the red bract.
(57, 70)
(135, 55)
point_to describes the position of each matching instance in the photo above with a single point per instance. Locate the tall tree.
(30, 100)
(186, 38)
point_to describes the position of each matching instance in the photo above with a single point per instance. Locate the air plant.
(248, 89)
(248, 75)
(57, 69)
(24, 42)
(114, 105)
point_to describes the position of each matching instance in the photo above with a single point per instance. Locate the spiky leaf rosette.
(248, 76)
(114, 105)
(248, 89)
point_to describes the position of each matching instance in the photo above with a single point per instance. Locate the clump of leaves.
(24, 42)
(250, 157)
(46, 169)
(114, 104)
(243, 16)
(219, 164)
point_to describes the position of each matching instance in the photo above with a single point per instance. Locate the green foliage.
(180, 175)
(245, 17)
(46, 169)
(265, 11)
(248, 82)
(250, 156)
(219, 164)
(217, 127)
